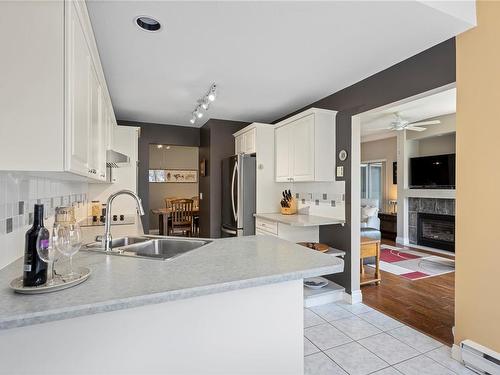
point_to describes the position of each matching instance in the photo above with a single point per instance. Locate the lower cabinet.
(286, 232)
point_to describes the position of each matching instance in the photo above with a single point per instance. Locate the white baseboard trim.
(402, 241)
(323, 299)
(456, 353)
(354, 297)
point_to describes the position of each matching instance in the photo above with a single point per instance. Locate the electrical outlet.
(340, 171)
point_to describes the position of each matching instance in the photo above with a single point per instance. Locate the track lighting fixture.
(204, 103)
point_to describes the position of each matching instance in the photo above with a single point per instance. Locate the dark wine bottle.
(35, 269)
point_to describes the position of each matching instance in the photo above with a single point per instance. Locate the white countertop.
(300, 220)
(124, 282)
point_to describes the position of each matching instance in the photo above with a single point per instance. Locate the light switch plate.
(340, 171)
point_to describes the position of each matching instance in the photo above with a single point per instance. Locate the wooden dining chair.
(168, 202)
(196, 215)
(167, 218)
(181, 215)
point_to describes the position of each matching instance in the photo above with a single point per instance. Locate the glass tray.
(60, 283)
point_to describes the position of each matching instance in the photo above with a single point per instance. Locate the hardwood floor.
(427, 305)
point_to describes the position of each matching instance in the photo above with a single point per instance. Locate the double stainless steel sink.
(153, 247)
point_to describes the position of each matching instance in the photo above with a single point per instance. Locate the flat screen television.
(432, 172)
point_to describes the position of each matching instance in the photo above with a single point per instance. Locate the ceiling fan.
(401, 124)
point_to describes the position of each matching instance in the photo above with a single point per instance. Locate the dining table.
(163, 216)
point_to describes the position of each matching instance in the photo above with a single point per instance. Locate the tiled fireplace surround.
(439, 206)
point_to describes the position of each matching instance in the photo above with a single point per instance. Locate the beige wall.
(177, 157)
(383, 149)
(478, 177)
(437, 145)
(437, 139)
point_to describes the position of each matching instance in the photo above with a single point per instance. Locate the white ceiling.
(374, 124)
(267, 58)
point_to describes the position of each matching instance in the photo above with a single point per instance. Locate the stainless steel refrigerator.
(238, 195)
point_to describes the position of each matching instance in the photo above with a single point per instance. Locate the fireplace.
(437, 231)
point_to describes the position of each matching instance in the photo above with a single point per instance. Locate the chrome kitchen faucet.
(107, 225)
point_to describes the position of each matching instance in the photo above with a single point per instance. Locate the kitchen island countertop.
(123, 282)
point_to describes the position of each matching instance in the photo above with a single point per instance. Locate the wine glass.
(69, 242)
(47, 252)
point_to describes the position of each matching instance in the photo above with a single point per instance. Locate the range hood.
(115, 159)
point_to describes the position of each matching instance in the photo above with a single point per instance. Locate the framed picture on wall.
(181, 175)
(152, 177)
(394, 172)
(159, 175)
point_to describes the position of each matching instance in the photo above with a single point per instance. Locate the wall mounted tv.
(432, 172)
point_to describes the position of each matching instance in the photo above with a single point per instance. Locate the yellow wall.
(478, 180)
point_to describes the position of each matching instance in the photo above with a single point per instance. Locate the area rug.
(413, 265)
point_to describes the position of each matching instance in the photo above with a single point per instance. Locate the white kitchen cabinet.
(302, 139)
(305, 147)
(66, 113)
(286, 232)
(78, 98)
(245, 142)
(238, 145)
(283, 153)
(260, 141)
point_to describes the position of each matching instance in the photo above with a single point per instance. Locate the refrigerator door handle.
(235, 169)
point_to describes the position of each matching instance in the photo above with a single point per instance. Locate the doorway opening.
(173, 190)
(417, 281)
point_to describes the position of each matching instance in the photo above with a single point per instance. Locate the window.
(372, 181)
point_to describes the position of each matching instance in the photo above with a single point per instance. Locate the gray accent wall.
(216, 143)
(430, 69)
(157, 134)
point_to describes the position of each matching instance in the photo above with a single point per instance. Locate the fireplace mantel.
(430, 193)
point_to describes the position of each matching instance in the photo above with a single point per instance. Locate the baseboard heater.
(479, 358)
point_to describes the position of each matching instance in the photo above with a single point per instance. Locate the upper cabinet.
(245, 141)
(59, 116)
(305, 147)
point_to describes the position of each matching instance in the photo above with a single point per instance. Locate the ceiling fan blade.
(418, 129)
(373, 130)
(431, 122)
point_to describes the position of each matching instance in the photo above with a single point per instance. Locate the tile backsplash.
(325, 199)
(18, 194)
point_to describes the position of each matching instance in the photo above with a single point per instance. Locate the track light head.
(212, 94)
(198, 112)
(205, 103)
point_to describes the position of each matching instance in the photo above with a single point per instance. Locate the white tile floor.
(345, 339)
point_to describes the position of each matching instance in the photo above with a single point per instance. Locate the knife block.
(292, 210)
